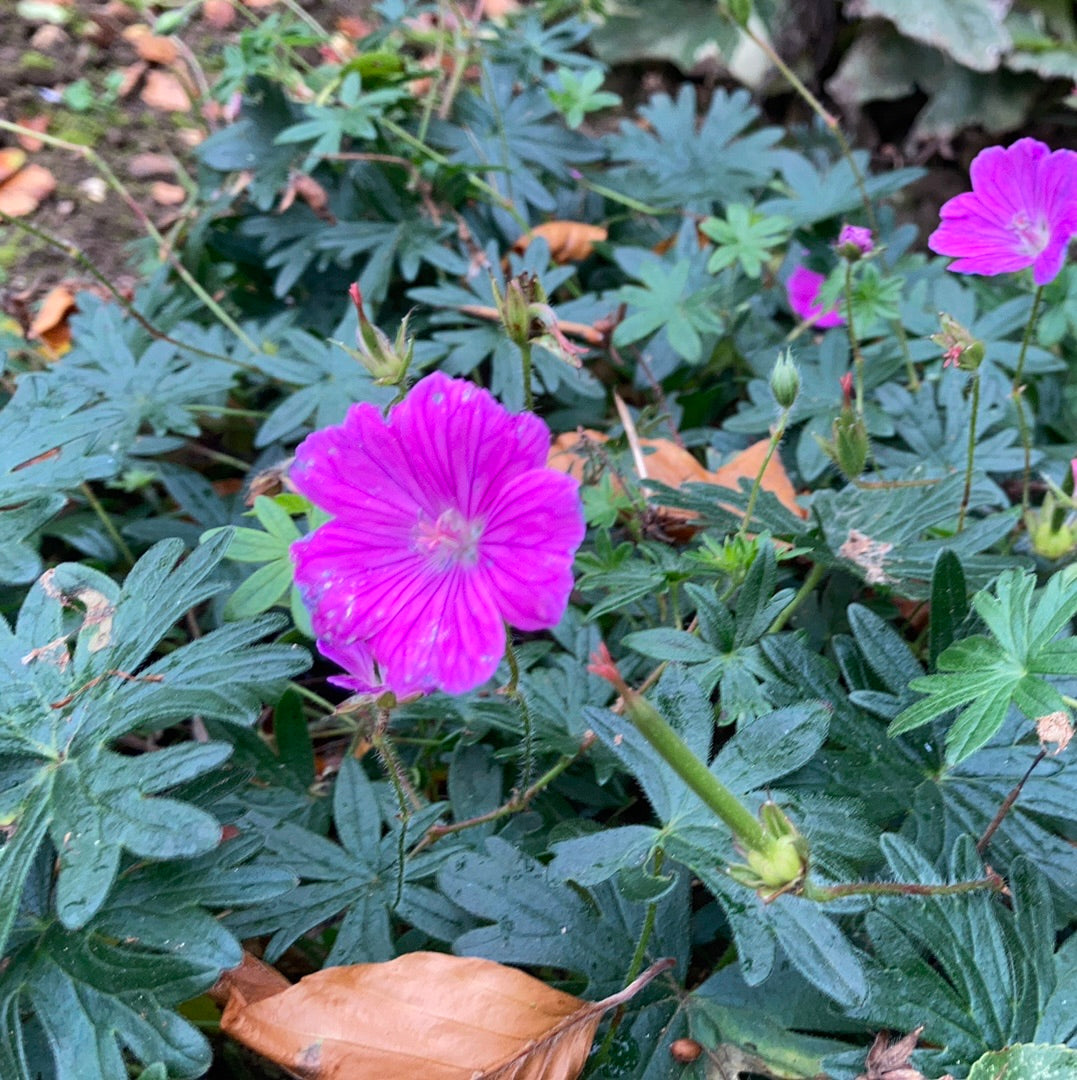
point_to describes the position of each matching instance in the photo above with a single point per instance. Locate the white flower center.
(450, 540)
(1033, 235)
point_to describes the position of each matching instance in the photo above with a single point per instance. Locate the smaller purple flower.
(854, 242)
(803, 290)
(1021, 212)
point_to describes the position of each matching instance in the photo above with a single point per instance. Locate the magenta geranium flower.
(1021, 212)
(803, 290)
(447, 525)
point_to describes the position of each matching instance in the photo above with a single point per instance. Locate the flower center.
(1033, 235)
(450, 540)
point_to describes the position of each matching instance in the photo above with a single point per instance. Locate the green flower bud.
(959, 347)
(386, 361)
(848, 444)
(785, 380)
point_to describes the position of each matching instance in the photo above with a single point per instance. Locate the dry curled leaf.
(868, 554)
(50, 324)
(569, 241)
(890, 1060)
(156, 50)
(11, 160)
(1055, 731)
(38, 123)
(23, 193)
(422, 1015)
(672, 465)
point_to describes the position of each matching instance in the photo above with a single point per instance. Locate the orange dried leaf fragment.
(423, 1014)
(569, 241)
(50, 324)
(23, 192)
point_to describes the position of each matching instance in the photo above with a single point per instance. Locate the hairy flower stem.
(525, 360)
(1007, 803)
(1017, 393)
(110, 527)
(816, 107)
(854, 341)
(910, 367)
(775, 438)
(967, 494)
(815, 575)
(512, 690)
(824, 894)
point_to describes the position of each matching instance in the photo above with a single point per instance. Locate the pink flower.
(447, 526)
(803, 289)
(1021, 212)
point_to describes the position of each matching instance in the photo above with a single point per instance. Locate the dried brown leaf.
(11, 160)
(165, 194)
(149, 165)
(50, 324)
(424, 1014)
(890, 1060)
(569, 241)
(1054, 730)
(165, 92)
(157, 50)
(26, 190)
(38, 123)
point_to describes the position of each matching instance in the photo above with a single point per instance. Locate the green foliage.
(984, 676)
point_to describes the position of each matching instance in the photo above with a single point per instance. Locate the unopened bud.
(387, 361)
(785, 380)
(854, 242)
(847, 446)
(778, 864)
(514, 306)
(1050, 534)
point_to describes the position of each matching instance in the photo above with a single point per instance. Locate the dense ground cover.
(507, 523)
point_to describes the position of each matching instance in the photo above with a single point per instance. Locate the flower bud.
(848, 444)
(854, 242)
(785, 380)
(1051, 535)
(778, 864)
(386, 361)
(514, 306)
(960, 348)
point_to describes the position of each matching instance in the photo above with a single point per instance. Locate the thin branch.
(1007, 803)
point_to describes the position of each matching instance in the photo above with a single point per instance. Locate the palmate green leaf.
(359, 881)
(975, 973)
(744, 237)
(1027, 1061)
(77, 677)
(989, 674)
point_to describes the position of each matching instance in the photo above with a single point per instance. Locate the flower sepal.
(780, 864)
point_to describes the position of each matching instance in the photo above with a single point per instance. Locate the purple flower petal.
(1021, 212)
(448, 524)
(803, 290)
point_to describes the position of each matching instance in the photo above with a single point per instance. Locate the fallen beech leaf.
(24, 192)
(570, 241)
(11, 160)
(673, 466)
(34, 123)
(424, 1014)
(156, 50)
(165, 194)
(50, 324)
(165, 92)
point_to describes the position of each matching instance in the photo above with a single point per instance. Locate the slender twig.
(525, 362)
(967, 493)
(823, 894)
(1007, 803)
(520, 800)
(113, 181)
(775, 438)
(79, 256)
(512, 691)
(854, 341)
(108, 523)
(1017, 393)
(910, 367)
(815, 575)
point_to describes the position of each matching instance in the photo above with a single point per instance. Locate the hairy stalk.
(512, 690)
(775, 438)
(77, 255)
(108, 523)
(815, 575)
(824, 894)
(525, 361)
(854, 341)
(910, 367)
(816, 107)
(1017, 393)
(406, 799)
(1007, 803)
(117, 185)
(519, 800)
(967, 494)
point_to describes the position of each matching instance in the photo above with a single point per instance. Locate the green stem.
(1017, 393)
(815, 575)
(824, 894)
(816, 107)
(512, 690)
(107, 522)
(313, 698)
(775, 438)
(910, 367)
(529, 394)
(966, 495)
(854, 342)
